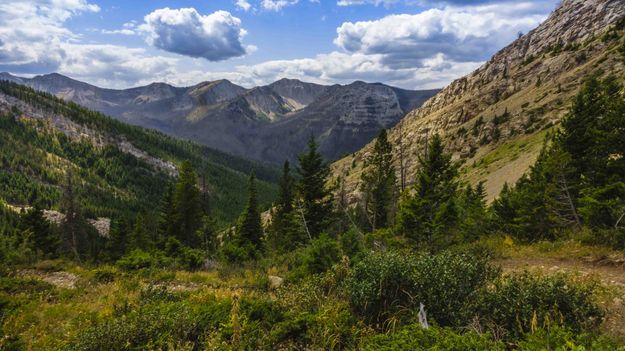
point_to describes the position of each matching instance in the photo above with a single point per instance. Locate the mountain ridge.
(234, 119)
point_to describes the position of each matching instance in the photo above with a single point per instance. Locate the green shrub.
(415, 338)
(191, 259)
(389, 287)
(322, 253)
(153, 294)
(104, 275)
(524, 301)
(562, 339)
(137, 259)
(24, 286)
(155, 326)
(351, 243)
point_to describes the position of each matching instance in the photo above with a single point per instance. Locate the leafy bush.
(104, 275)
(351, 243)
(24, 286)
(388, 287)
(154, 326)
(524, 301)
(153, 294)
(415, 338)
(191, 259)
(137, 259)
(562, 339)
(322, 253)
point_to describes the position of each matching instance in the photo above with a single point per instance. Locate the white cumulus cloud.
(460, 33)
(214, 37)
(277, 5)
(243, 5)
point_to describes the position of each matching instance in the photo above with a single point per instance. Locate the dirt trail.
(610, 273)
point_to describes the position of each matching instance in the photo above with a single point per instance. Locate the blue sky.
(413, 44)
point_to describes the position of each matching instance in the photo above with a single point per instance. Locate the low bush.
(415, 338)
(155, 326)
(137, 259)
(526, 301)
(389, 287)
(24, 286)
(322, 253)
(563, 339)
(104, 275)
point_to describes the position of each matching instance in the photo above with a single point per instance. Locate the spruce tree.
(187, 213)
(250, 229)
(43, 236)
(594, 136)
(285, 232)
(72, 228)
(208, 235)
(378, 183)
(316, 197)
(429, 210)
(286, 184)
(140, 236)
(472, 212)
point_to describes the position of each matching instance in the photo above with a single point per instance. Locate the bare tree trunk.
(301, 211)
(569, 199)
(619, 221)
(402, 172)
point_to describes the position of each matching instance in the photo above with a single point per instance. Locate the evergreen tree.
(72, 228)
(117, 243)
(187, 207)
(208, 235)
(250, 229)
(286, 187)
(429, 210)
(140, 236)
(316, 197)
(378, 183)
(472, 212)
(593, 132)
(285, 232)
(594, 136)
(43, 237)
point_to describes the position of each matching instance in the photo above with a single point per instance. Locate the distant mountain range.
(269, 123)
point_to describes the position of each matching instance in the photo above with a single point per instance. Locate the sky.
(412, 44)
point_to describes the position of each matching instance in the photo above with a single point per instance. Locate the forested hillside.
(119, 169)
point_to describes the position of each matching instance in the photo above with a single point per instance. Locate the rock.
(275, 282)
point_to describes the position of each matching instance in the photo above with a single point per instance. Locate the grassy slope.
(543, 89)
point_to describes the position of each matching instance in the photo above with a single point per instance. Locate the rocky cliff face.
(494, 119)
(270, 123)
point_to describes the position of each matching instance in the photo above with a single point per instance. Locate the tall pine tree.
(44, 237)
(250, 229)
(379, 182)
(187, 204)
(286, 232)
(316, 198)
(428, 211)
